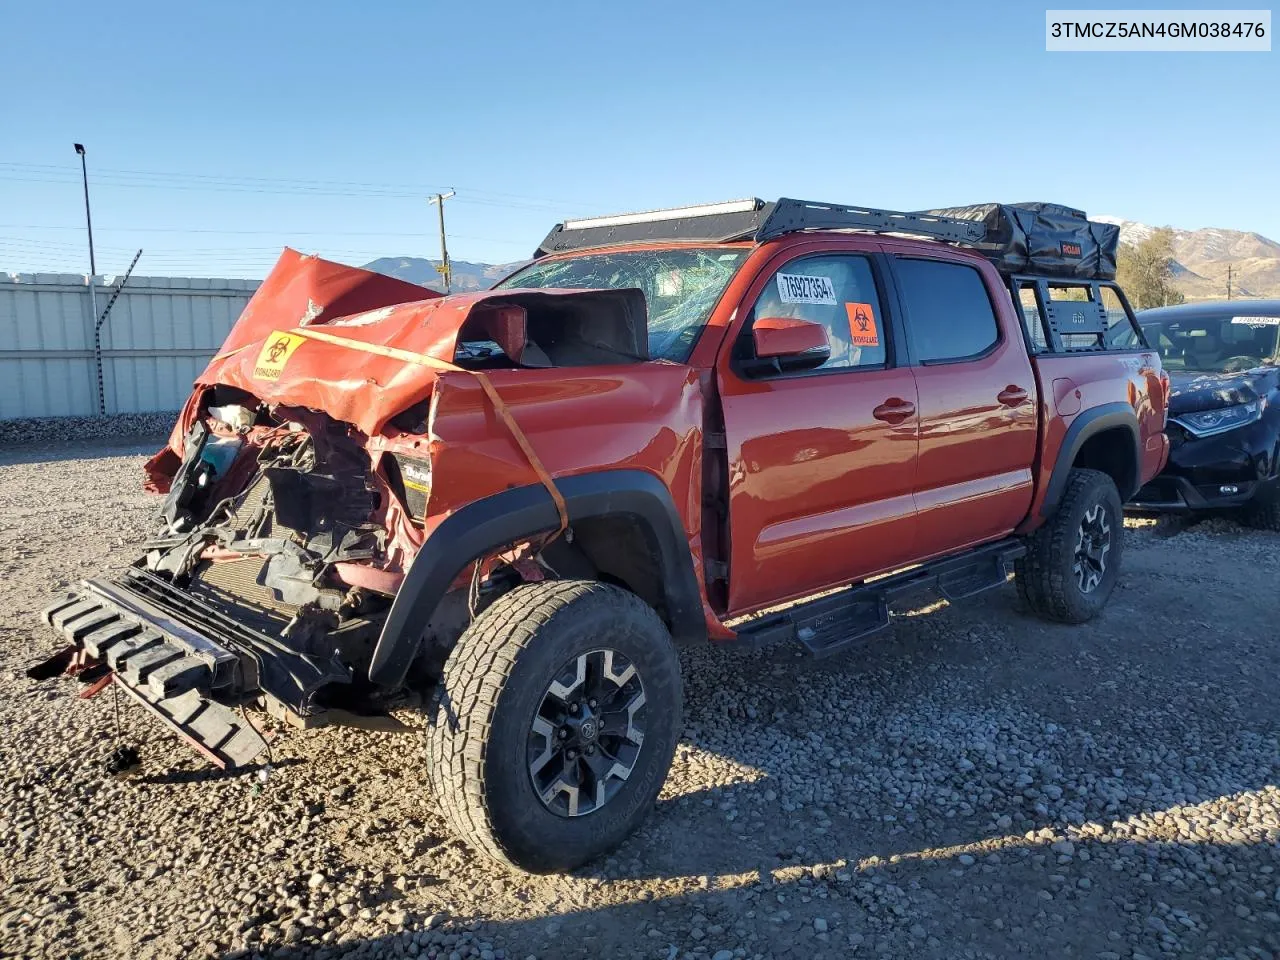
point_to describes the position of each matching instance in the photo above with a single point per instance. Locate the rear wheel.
(1073, 560)
(554, 724)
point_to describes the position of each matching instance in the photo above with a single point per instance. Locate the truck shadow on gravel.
(967, 783)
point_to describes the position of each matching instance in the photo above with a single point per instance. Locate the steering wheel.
(1238, 364)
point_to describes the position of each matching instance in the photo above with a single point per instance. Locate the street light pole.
(93, 294)
(84, 172)
(444, 269)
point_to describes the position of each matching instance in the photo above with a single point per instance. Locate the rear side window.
(949, 315)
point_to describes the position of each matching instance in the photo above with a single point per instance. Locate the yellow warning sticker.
(275, 353)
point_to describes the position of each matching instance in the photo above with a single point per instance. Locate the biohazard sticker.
(275, 353)
(862, 325)
(797, 288)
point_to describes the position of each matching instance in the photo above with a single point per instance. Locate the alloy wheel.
(1093, 543)
(587, 733)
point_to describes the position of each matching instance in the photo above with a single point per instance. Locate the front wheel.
(1073, 560)
(554, 724)
(1264, 512)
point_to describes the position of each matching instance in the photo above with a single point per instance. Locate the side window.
(949, 314)
(837, 291)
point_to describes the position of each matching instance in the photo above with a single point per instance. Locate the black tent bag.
(1043, 238)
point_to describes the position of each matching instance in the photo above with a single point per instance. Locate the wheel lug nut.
(564, 733)
(573, 708)
(590, 750)
(573, 754)
(591, 704)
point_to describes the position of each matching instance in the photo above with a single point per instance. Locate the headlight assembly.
(1206, 423)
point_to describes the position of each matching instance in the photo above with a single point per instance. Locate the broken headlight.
(1206, 423)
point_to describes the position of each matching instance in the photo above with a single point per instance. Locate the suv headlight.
(1206, 423)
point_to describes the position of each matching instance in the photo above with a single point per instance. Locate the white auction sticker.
(1257, 321)
(797, 288)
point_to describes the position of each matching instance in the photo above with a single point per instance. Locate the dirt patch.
(973, 783)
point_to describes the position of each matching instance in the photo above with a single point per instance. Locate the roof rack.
(750, 219)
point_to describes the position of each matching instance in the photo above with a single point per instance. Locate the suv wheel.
(1073, 560)
(553, 727)
(1264, 512)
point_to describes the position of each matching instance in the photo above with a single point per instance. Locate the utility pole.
(1228, 281)
(444, 269)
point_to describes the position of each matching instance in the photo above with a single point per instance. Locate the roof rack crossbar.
(789, 216)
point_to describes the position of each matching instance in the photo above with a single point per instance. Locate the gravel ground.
(975, 783)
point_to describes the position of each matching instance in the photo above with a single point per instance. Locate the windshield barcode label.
(796, 288)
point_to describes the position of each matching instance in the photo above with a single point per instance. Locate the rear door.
(821, 462)
(977, 402)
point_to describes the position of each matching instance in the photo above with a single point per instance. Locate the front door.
(821, 461)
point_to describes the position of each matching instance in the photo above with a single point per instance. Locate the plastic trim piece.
(1092, 421)
(517, 514)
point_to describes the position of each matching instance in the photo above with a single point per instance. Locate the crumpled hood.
(1192, 392)
(363, 347)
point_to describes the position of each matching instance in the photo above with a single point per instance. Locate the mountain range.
(423, 272)
(1200, 272)
(1203, 256)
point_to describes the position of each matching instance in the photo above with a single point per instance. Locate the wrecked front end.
(298, 490)
(267, 584)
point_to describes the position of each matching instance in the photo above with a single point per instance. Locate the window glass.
(949, 315)
(838, 292)
(680, 286)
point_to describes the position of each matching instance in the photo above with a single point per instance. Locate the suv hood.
(1192, 392)
(363, 347)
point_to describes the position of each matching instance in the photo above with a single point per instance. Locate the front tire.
(555, 722)
(1264, 512)
(1073, 560)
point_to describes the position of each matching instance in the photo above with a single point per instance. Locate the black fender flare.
(481, 527)
(1093, 421)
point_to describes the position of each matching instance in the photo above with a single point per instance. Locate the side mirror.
(784, 344)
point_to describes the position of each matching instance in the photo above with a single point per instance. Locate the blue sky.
(218, 133)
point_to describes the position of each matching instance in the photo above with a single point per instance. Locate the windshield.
(680, 287)
(1227, 343)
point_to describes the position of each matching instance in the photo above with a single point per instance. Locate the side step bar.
(161, 664)
(832, 623)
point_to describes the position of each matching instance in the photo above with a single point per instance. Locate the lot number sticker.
(275, 353)
(1257, 321)
(797, 288)
(862, 325)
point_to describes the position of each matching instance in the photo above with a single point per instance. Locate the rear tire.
(509, 760)
(1073, 560)
(1264, 512)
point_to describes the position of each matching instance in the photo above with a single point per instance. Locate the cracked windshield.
(680, 287)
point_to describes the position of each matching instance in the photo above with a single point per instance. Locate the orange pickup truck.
(510, 507)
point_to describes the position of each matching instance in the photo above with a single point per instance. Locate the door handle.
(894, 410)
(1012, 396)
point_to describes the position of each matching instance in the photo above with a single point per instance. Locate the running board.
(837, 621)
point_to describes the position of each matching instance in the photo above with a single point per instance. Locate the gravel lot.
(973, 784)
